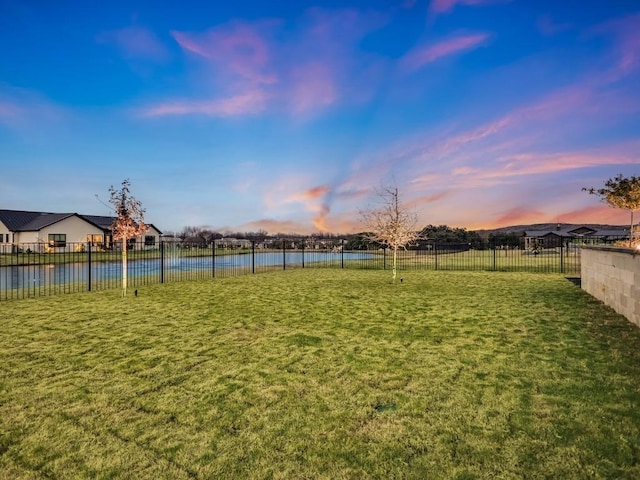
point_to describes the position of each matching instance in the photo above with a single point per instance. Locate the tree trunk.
(124, 266)
(395, 256)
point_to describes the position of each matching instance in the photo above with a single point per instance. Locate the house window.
(149, 240)
(94, 239)
(1, 237)
(57, 240)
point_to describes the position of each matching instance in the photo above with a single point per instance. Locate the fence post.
(284, 255)
(494, 258)
(213, 258)
(161, 261)
(253, 256)
(435, 256)
(89, 266)
(302, 246)
(342, 253)
(561, 254)
(384, 258)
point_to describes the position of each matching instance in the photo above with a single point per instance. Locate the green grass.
(548, 261)
(321, 374)
(76, 253)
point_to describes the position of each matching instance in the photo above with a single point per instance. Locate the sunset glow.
(287, 116)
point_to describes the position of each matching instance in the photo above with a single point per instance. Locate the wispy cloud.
(542, 163)
(300, 68)
(626, 50)
(596, 214)
(274, 226)
(440, 7)
(313, 85)
(10, 111)
(312, 193)
(238, 50)
(425, 54)
(489, 160)
(20, 107)
(520, 214)
(247, 103)
(427, 199)
(136, 43)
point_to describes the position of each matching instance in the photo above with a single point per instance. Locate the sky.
(289, 116)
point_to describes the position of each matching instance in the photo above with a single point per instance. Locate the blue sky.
(287, 115)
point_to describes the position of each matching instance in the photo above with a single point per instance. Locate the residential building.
(52, 232)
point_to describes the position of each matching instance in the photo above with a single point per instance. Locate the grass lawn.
(321, 374)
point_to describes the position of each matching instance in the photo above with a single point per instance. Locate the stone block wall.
(612, 275)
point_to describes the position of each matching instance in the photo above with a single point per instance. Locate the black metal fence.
(32, 270)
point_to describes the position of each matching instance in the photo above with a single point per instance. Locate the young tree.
(129, 222)
(621, 192)
(392, 224)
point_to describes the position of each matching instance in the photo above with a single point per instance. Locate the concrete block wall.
(612, 275)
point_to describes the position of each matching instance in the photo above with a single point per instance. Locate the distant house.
(230, 242)
(536, 239)
(56, 231)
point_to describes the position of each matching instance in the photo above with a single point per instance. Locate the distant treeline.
(430, 235)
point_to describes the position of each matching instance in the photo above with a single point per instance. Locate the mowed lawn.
(328, 374)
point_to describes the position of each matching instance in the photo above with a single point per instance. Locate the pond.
(43, 275)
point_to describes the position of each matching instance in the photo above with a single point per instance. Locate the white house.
(42, 231)
(576, 233)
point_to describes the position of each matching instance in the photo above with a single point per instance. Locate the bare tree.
(392, 224)
(621, 192)
(129, 222)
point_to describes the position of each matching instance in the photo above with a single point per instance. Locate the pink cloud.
(238, 48)
(247, 103)
(439, 7)
(273, 226)
(320, 219)
(302, 68)
(541, 163)
(577, 101)
(316, 192)
(626, 32)
(426, 54)
(427, 199)
(323, 64)
(505, 169)
(520, 214)
(313, 86)
(21, 107)
(136, 43)
(340, 223)
(596, 214)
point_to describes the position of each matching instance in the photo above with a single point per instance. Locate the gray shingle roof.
(572, 232)
(100, 221)
(21, 221)
(13, 219)
(24, 221)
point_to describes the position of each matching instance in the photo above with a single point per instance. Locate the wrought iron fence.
(32, 270)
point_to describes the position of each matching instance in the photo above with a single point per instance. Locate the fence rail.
(32, 270)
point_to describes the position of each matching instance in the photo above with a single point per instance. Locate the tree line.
(193, 236)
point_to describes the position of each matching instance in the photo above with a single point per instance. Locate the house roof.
(25, 221)
(100, 221)
(574, 231)
(45, 220)
(15, 219)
